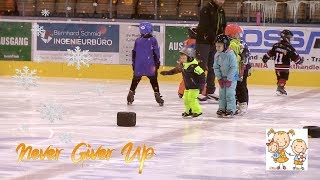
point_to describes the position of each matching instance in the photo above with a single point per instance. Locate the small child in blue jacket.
(145, 62)
(226, 70)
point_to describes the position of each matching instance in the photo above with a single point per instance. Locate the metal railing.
(71, 9)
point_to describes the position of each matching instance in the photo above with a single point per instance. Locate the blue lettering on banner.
(269, 37)
(92, 37)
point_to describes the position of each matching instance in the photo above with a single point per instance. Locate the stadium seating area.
(236, 10)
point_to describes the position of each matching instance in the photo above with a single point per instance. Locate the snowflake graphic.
(45, 12)
(78, 57)
(100, 89)
(38, 30)
(65, 137)
(25, 78)
(51, 111)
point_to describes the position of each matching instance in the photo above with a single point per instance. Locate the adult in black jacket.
(212, 23)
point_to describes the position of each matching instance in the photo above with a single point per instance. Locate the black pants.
(205, 55)
(282, 77)
(153, 81)
(242, 92)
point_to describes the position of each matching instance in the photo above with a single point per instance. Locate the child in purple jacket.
(145, 62)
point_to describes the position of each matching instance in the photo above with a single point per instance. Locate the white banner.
(306, 41)
(129, 33)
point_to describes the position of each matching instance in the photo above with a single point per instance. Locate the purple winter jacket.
(146, 56)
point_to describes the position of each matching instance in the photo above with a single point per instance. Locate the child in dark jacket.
(145, 62)
(190, 42)
(283, 53)
(194, 80)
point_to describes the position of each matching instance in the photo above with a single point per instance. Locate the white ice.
(202, 148)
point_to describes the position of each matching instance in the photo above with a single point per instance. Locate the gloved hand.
(227, 83)
(221, 83)
(300, 61)
(265, 58)
(164, 73)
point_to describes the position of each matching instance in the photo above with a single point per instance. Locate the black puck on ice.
(313, 131)
(126, 119)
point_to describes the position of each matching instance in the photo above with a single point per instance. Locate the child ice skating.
(284, 53)
(226, 70)
(145, 62)
(190, 42)
(240, 48)
(194, 80)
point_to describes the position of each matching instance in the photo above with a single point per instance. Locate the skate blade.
(186, 117)
(209, 102)
(280, 94)
(203, 99)
(240, 113)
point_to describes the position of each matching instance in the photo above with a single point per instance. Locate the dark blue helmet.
(286, 35)
(145, 28)
(223, 39)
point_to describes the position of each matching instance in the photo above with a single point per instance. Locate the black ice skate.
(130, 97)
(210, 97)
(159, 98)
(229, 114)
(185, 114)
(280, 91)
(213, 96)
(220, 113)
(196, 115)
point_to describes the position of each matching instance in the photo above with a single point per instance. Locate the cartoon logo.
(45, 37)
(287, 149)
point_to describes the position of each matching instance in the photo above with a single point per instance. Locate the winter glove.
(299, 61)
(221, 83)
(265, 58)
(164, 73)
(227, 83)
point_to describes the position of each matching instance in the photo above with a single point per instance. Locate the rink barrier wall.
(114, 63)
(124, 72)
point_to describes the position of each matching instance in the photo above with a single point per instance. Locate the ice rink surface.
(203, 148)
